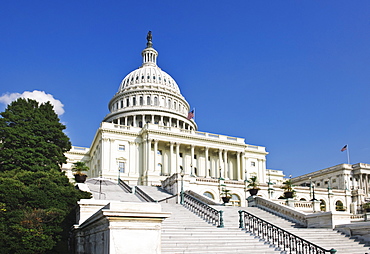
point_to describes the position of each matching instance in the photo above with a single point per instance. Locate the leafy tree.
(31, 137)
(36, 198)
(35, 209)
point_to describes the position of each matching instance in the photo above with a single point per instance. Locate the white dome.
(149, 75)
(150, 95)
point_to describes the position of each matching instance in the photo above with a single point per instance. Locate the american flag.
(344, 148)
(191, 114)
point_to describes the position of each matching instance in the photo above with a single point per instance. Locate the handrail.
(203, 210)
(278, 237)
(165, 199)
(143, 195)
(124, 186)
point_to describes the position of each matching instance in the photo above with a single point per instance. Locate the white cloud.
(39, 96)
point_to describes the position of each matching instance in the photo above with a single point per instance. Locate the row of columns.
(135, 118)
(221, 168)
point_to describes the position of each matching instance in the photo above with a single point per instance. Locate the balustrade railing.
(143, 195)
(124, 186)
(203, 210)
(278, 237)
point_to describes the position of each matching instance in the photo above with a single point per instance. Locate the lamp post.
(182, 173)
(313, 193)
(119, 174)
(269, 183)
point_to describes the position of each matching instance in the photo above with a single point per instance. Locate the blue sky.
(289, 75)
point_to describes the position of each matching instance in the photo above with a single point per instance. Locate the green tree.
(35, 211)
(31, 137)
(36, 198)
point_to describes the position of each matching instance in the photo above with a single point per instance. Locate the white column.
(220, 173)
(243, 166)
(226, 166)
(134, 120)
(155, 155)
(170, 170)
(152, 119)
(177, 158)
(192, 159)
(238, 166)
(206, 164)
(125, 120)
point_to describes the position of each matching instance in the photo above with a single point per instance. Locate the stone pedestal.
(121, 227)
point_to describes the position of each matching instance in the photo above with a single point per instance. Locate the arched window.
(339, 206)
(134, 101)
(322, 205)
(302, 199)
(141, 101)
(235, 200)
(155, 101)
(208, 195)
(148, 102)
(140, 124)
(169, 103)
(127, 102)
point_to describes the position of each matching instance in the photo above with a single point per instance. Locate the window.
(334, 180)
(253, 164)
(121, 167)
(318, 184)
(339, 206)
(235, 200)
(122, 104)
(141, 101)
(180, 154)
(208, 195)
(148, 100)
(326, 182)
(195, 156)
(127, 102)
(134, 101)
(121, 147)
(155, 101)
(159, 152)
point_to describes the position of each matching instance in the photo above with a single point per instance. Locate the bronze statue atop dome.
(149, 39)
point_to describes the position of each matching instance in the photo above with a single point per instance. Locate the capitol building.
(150, 138)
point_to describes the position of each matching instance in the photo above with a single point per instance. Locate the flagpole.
(347, 153)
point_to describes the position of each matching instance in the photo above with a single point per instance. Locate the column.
(153, 119)
(226, 166)
(238, 166)
(126, 121)
(170, 170)
(206, 164)
(177, 158)
(161, 121)
(192, 160)
(243, 166)
(360, 181)
(220, 163)
(134, 121)
(155, 155)
(143, 120)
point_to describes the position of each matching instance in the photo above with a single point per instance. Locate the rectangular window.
(253, 164)
(195, 156)
(180, 155)
(121, 167)
(121, 147)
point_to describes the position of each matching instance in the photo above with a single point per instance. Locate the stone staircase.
(185, 232)
(323, 237)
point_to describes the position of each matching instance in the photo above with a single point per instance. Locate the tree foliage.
(31, 137)
(36, 198)
(33, 210)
